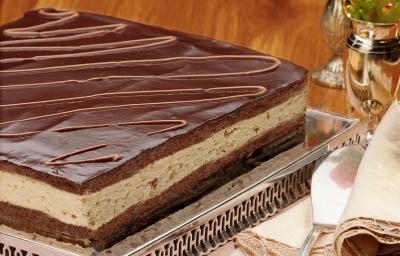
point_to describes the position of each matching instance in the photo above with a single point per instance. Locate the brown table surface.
(287, 29)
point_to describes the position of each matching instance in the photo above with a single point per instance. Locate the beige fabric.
(297, 223)
(371, 221)
(367, 236)
(280, 235)
(370, 224)
(253, 244)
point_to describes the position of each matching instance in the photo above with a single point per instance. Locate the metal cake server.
(330, 190)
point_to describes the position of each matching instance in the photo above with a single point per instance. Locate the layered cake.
(107, 124)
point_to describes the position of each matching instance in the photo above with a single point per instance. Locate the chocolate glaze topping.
(82, 94)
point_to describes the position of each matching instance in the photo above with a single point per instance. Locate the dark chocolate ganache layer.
(83, 94)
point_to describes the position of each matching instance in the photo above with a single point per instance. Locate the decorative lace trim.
(353, 234)
(351, 239)
(252, 244)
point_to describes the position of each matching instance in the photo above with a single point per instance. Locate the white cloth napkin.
(371, 221)
(370, 224)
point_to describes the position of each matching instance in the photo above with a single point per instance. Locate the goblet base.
(330, 74)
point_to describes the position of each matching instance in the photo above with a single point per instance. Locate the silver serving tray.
(214, 219)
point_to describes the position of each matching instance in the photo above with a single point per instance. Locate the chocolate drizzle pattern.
(261, 91)
(178, 124)
(115, 65)
(113, 157)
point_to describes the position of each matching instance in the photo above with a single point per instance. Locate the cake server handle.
(305, 249)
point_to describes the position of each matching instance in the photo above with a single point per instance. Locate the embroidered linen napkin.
(371, 221)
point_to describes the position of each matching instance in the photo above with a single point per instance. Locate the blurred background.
(288, 29)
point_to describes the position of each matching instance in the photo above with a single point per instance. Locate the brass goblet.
(372, 68)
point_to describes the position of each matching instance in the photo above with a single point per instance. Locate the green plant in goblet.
(378, 11)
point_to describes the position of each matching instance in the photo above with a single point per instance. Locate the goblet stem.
(370, 127)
